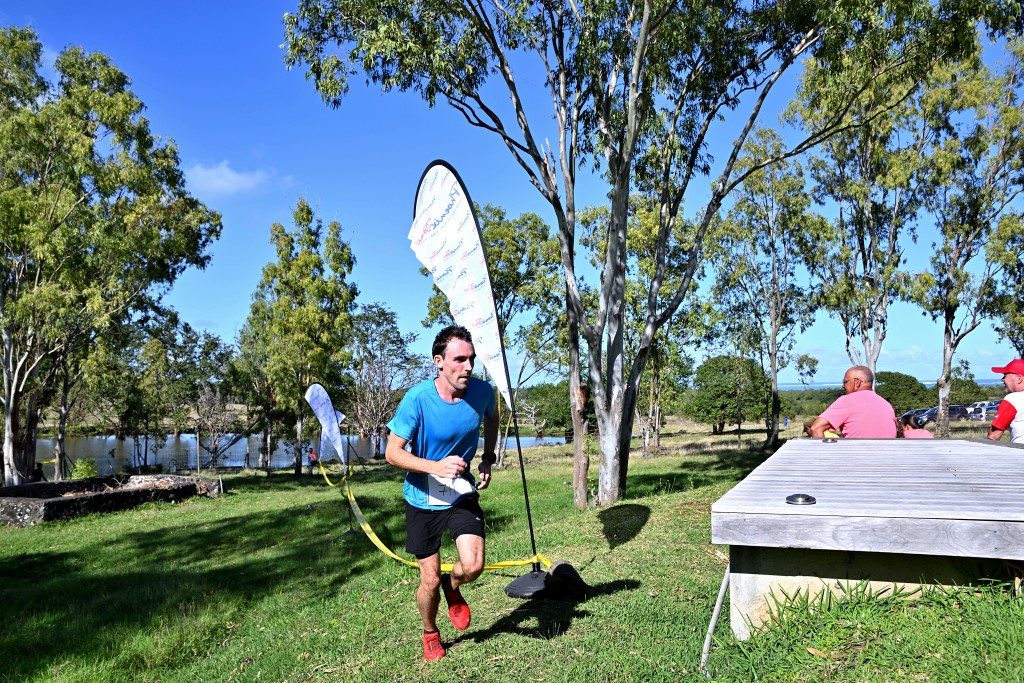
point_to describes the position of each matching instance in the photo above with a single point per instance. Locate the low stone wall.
(29, 504)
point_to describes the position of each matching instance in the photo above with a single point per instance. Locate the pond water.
(113, 456)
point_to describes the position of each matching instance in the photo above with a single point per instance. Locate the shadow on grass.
(143, 581)
(694, 473)
(554, 617)
(621, 523)
(286, 481)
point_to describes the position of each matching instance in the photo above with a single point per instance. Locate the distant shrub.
(85, 468)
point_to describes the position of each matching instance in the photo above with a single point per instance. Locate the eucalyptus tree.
(872, 176)
(94, 214)
(667, 363)
(806, 368)
(637, 91)
(204, 392)
(976, 154)
(302, 310)
(1010, 324)
(382, 367)
(728, 389)
(762, 262)
(247, 373)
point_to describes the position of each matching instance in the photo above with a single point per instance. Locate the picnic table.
(895, 513)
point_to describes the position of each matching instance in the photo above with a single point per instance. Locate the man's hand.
(818, 428)
(450, 467)
(485, 475)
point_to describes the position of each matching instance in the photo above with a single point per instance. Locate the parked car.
(976, 409)
(957, 412)
(985, 411)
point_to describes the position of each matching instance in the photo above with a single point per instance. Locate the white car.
(983, 410)
(973, 409)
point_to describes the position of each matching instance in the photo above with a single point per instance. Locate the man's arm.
(819, 427)
(446, 468)
(491, 425)
(1005, 414)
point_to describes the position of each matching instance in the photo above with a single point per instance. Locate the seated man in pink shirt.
(860, 413)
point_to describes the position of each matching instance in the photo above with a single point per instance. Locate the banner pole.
(522, 474)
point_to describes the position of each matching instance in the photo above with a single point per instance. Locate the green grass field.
(264, 585)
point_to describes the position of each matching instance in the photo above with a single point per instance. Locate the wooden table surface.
(918, 496)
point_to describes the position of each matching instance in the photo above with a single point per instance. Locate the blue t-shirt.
(436, 429)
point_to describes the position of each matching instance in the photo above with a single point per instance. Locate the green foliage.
(728, 390)
(637, 93)
(976, 143)
(806, 368)
(299, 323)
(963, 389)
(546, 404)
(807, 402)
(903, 391)
(95, 216)
(382, 369)
(85, 468)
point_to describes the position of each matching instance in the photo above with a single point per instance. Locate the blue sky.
(254, 137)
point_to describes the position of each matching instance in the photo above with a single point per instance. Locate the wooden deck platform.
(890, 511)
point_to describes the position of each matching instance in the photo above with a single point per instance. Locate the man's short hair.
(446, 335)
(865, 373)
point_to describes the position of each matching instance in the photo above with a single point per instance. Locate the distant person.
(913, 430)
(860, 413)
(1010, 413)
(37, 474)
(312, 461)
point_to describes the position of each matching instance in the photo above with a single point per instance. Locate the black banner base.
(561, 582)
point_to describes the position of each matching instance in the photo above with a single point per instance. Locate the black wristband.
(489, 458)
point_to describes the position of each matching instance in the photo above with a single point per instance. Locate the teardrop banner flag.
(445, 237)
(330, 421)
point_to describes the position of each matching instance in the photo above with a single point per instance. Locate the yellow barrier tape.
(323, 471)
(446, 567)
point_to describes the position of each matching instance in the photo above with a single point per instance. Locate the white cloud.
(223, 180)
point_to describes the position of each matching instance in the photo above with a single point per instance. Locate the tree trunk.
(12, 476)
(609, 489)
(772, 442)
(577, 406)
(25, 457)
(943, 383)
(298, 447)
(265, 450)
(59, 453)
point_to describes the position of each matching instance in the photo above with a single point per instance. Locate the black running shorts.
(425, 528)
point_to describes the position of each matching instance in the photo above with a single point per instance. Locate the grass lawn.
(264, 585)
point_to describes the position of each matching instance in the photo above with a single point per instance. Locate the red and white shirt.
(1010, 414)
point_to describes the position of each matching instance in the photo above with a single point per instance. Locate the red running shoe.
(458, 610)
(432, 647)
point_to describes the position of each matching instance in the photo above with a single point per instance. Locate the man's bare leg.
(471, 560)
(427, 596)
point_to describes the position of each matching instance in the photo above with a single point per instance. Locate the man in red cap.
(1010, 413)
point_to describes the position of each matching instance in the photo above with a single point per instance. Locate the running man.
(439, 422)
